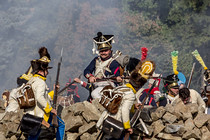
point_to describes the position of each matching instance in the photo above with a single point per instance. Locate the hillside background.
(160, 25)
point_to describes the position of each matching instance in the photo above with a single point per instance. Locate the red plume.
(144, 51)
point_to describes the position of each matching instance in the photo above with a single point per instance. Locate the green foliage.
(162, 26)
(180, 25)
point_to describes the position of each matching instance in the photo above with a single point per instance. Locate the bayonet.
(54, 120)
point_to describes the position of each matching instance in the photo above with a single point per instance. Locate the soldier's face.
(175, 91)
(105, 53)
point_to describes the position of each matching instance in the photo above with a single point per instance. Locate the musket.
(138, 111)
(63, 89)
(54, 119)
(110, 79)
(191, 74)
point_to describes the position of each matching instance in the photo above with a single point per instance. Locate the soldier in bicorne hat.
(23, 79)
(102, 66)
(28, 74)
(43, 106)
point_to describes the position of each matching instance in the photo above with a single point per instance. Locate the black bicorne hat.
(141, 73)
(103, 41)
(40, 64)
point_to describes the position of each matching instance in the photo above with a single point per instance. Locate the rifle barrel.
(54, 120)
(68, 85)
(191, 74)
(65, 87)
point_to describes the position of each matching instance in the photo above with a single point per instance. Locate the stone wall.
(176, 121)
(179, 121)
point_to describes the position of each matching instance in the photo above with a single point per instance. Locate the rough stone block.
(2, 137)
(181, 131)
(93, 108)
(77, 108)
(208, 124)
(201, 119)
(204, 129)
(96, 103)
(189, 124)
(193, 108)
(168, 136)
(160, 111)
(85, 136)
(169, 108)
(206, 136)
(72, 123)
(90, 128)
(170, 118)
(72, 136)
(173, 128)
(89, 116)
(12, 129)
(158, 127)
(181, 110)
(191, 134)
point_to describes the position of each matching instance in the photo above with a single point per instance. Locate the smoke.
(26, 25)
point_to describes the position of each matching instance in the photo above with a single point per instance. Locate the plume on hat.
(174, 57)
(199, 58)
(144, 51)
(43, 52)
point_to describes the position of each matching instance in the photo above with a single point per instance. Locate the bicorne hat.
(141, 73)
(40, 64)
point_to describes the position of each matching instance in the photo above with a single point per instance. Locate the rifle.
(54, 118)
(110, 78)
(138, 111)
(190, 78)
(63, 89)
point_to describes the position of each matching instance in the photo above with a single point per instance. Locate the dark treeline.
(162, 26)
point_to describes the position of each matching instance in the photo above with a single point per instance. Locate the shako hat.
(207, 75)
(103, 41)
(171, 81)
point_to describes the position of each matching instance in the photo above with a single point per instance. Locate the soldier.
(171, 89)
(137, 79)
(153, 98)
(206, 89)
(23, 79)
(205, 93)
(28, 74)
(191, 96)
(43, 107)
(102, 66)
(5, 97)
(73, 91)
